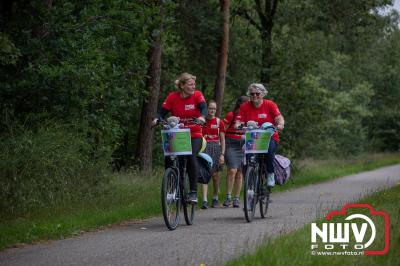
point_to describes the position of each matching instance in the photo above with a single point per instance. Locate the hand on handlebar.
(238, 125)
(200, 120)
(155, 122)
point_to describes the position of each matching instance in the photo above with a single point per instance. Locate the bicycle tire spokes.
(250, 192)
(264, 196)
(188, 208)
(170, 198)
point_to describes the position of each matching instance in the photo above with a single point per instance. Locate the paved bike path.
(217, 234)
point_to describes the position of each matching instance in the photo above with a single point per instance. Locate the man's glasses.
(254, 94)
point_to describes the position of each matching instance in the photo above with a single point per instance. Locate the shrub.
(45, 167)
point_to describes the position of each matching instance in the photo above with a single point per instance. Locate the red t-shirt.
(231, 132)
(267, 112)
(211, 130)
(185, 108)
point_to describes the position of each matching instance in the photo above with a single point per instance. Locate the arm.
(222, 141)
(280, 122)
(227, 121)
(203, 109)
(201, 105)
(163, 112)
(160, 115)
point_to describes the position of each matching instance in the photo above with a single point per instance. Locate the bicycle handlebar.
(243, 127)
(193, 120)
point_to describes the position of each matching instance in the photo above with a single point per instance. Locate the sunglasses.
(254, 94)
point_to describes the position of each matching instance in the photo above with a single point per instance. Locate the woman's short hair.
(182, 79)
(257, 86)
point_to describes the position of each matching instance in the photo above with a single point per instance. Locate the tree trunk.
(222, 58)
(266, 11)
(149, 108)
(266, 57)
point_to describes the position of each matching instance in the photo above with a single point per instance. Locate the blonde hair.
(182, 79)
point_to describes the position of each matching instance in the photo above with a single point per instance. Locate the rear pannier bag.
(204, 162)
(281, 169)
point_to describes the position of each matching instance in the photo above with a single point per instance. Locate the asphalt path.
(216, 236)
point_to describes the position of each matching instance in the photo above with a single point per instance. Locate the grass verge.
(134, 196)
(295, 247)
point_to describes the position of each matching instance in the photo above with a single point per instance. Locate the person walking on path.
(214, 133)
(234, 154)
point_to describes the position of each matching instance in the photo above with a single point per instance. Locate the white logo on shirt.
(214, 126)
(189, 107)
(262, 115)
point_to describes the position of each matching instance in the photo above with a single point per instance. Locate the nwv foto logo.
(351, 234)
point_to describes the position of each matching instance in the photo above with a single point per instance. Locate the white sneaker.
(271, 180)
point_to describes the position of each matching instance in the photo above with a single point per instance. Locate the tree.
(222, 57)
(266, 10)
(149, 107)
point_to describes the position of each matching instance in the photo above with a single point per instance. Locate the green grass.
(132, 196)
(294, 248)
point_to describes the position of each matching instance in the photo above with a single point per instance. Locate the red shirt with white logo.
(211, 130)
(267, 112)
(231, 132)
(185, 108)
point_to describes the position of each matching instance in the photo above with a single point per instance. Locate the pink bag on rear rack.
(281, 169)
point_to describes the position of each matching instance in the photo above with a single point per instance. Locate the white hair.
(257, 86)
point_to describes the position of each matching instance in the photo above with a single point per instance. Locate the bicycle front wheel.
(170, 198)
(250, 193)
(188, 208)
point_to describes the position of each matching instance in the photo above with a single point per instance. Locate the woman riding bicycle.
(261, 110)
(187, 103)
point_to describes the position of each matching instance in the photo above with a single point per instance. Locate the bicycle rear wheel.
(250, 193)
(264, 199)
(170, 198)
(188, 208)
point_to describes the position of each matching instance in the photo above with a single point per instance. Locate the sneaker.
(227, 202)
(214, 203)
(235, 202)
(271, 180)
(204, 205)
(192, 198)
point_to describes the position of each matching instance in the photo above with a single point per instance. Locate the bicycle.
(256, 176)
(175, 182)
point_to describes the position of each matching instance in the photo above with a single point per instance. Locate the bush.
(51, 165)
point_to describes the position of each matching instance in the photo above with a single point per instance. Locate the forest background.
(80, 81)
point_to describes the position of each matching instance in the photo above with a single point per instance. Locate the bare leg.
(205, 192)
(238, 183)
(229, 179)
(215, 178)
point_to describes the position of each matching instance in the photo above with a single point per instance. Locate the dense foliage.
(74, 72)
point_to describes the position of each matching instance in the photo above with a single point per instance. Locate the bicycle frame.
(254, 179)
(175, 185)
